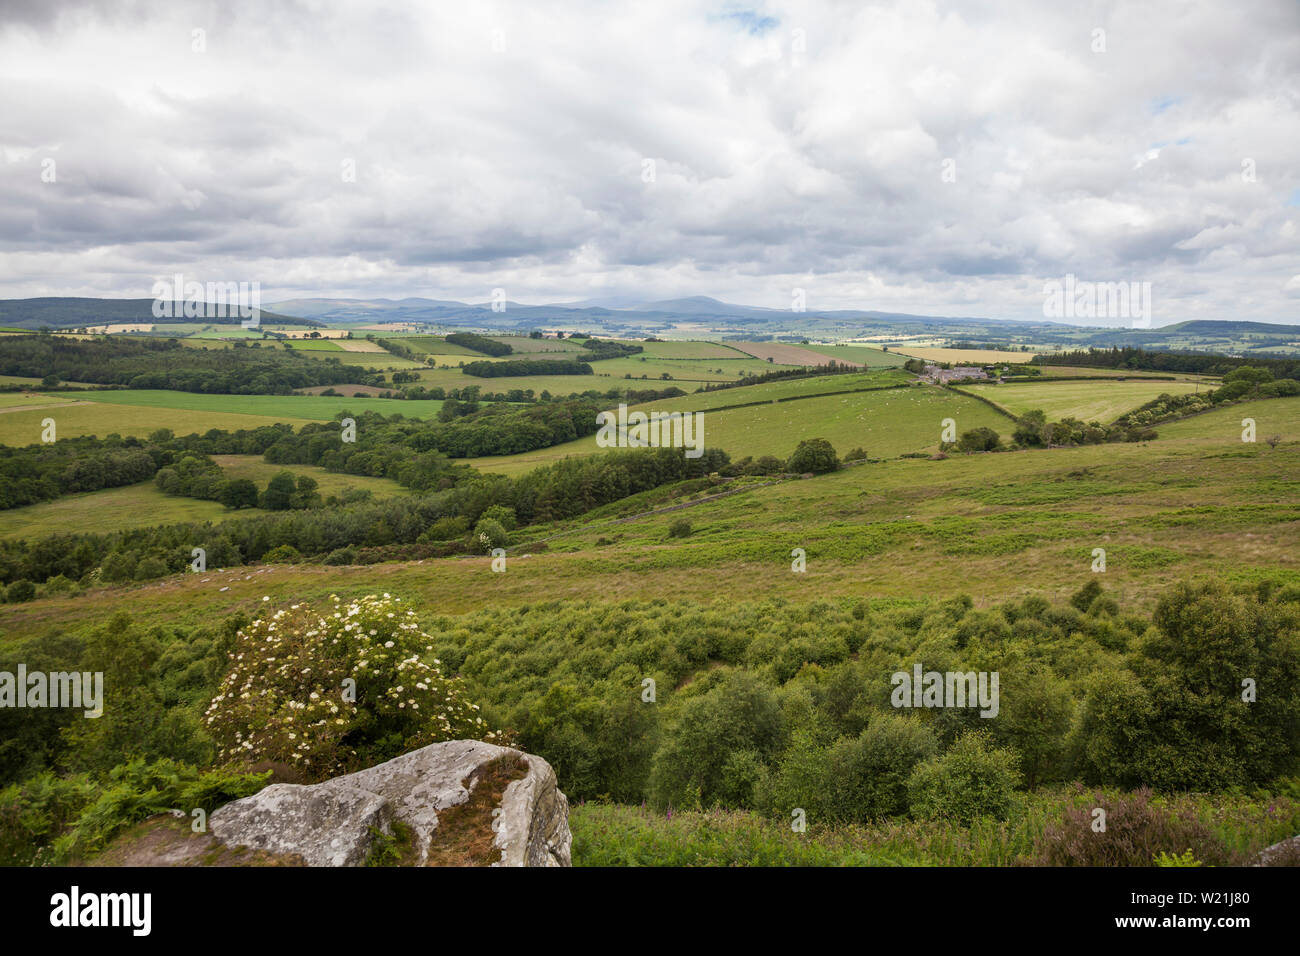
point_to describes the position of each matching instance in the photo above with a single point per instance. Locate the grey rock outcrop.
(334, 823)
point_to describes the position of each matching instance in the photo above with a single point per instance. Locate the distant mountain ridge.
(623, 317)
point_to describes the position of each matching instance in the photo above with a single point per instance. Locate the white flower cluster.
(320, 691)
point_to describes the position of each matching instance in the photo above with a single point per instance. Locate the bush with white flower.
(336, 691)
(491, 534)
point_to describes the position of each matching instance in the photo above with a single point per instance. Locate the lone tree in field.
(815, 455)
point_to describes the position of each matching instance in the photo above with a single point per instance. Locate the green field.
(1076, 371)
(558, 385)
(202, 330)
(73, 420)
(29, 400)
(885, 423)
(313, 345)
(969, 559)
(139, 412)
(783, 388)
(686, 370)
(690, 350)
(1100, 401)
(23, 380)
(274, 407)
(118, 509)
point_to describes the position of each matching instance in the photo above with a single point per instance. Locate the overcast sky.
(922, 157)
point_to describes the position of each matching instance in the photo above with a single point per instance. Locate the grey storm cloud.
(927, 157)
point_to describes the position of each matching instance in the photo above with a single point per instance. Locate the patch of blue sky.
(751, 21)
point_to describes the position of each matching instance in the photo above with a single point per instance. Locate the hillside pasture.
(998, 527)
(885, 423)
(1099, 401)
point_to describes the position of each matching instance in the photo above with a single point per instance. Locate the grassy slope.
(885, 423)
(996, 526)
(1101, 401)
(1073, 371)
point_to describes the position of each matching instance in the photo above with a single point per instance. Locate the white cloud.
(776, 166)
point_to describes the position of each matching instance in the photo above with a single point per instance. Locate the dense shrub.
(345, 689)
(978, 439)
(282, 554)
(814, 455)
(20, 591)
(600, 742)
(444, 529)
(709, 753)
(972, 780)
(855, 779)
(1179, 718)
(490, 535)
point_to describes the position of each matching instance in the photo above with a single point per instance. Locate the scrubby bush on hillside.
(974, 779)
(347, 688)
(502, 515)
(600, 741)
(283, 554)
(978, 439)
(20, 591)
(490, 535)
(1179, 718)
(710, 752)
(854, 779)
